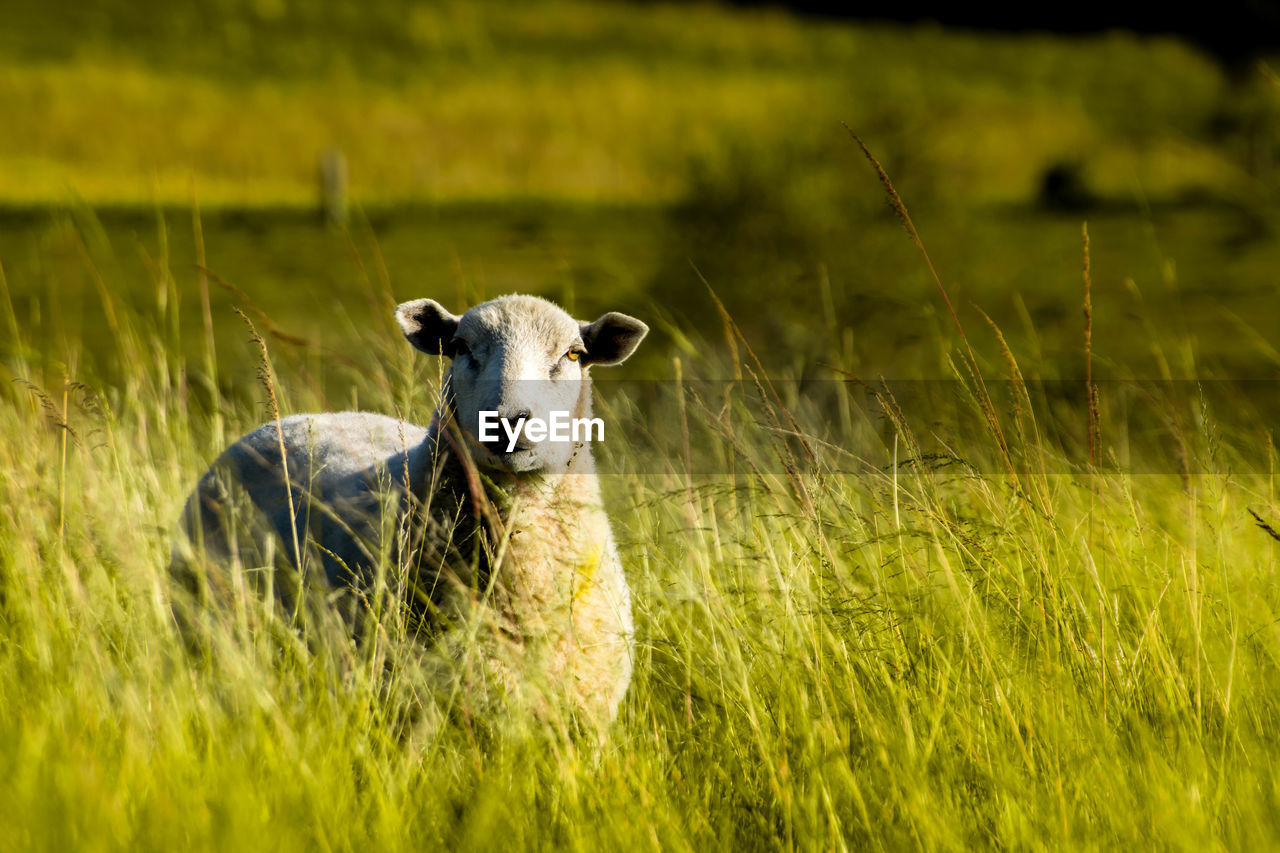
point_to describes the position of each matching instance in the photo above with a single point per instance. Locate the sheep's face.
(522, 359)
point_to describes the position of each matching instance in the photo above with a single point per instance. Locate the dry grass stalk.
(1091, 391)
(971, 359)
(273, 408)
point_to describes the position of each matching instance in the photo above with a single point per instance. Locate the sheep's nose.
(513, 419)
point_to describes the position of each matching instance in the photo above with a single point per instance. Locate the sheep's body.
(344, 470)
(527, 557)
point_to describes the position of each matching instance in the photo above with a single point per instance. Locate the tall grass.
(858, 630)
(592, 102)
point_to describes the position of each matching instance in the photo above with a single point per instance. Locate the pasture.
(951, 604)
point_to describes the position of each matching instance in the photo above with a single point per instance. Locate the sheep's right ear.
(611, 339)
(427, 325)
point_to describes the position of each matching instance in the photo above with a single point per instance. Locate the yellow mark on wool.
(584, 575)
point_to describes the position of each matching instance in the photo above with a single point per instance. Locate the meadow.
(899, 583)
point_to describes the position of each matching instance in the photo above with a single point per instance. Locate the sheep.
(511, 530)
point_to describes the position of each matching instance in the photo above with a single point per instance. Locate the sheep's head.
(522, 358)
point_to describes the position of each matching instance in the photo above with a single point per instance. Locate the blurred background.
(311, 161)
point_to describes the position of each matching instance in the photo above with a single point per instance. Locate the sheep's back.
(344, 471)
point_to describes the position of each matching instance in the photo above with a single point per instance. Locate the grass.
(233, 104)
(1020, 594)
(886, 634)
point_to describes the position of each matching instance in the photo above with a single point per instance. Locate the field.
(899, 582)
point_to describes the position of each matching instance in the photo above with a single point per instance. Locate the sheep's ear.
(612, 338)
(427, 325)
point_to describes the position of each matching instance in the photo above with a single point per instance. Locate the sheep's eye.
(573, 354)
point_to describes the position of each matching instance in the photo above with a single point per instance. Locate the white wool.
(368, 488)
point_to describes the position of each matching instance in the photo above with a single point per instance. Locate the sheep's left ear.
(427, 325)
(612, 338)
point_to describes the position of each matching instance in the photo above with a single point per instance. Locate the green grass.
(843, 652)
(233, 103)
(1197, 281)
(943, 629)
